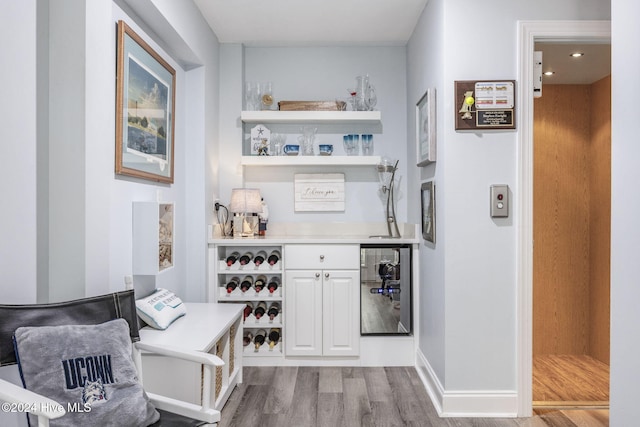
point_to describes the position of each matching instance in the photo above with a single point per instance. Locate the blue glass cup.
(351, 144)
(367, 145)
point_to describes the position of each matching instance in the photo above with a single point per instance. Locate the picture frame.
(145, 110)
(426, 128)
(428, 202)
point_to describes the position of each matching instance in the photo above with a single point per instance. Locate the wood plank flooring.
(568, 380)
(355, 396)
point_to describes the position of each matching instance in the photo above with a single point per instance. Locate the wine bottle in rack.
(274, 283)
(247, 337)
(260, 309)
(246, 257)
(260, 283)
(232, 284)
(232, 258)
(246, 283)
(248, 309)
(259, 258)
(260, 337)
(274, 310)
(274, 257)
(274, 338)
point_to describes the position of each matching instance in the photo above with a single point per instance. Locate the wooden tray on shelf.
(312, 106)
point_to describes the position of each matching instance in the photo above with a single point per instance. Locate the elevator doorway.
(571, 233)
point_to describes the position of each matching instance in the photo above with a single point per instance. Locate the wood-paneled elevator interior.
(571, 230)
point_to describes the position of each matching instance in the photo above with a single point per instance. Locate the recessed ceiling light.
(576, 54)
(549, 73)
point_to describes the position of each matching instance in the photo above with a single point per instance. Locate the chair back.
(85, 311)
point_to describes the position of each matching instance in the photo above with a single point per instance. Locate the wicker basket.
(312, 105)
(232, 345)
(219, 349)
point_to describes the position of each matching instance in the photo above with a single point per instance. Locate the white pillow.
(160, 309)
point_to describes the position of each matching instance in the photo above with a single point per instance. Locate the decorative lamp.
(245, 204)
(386, 175)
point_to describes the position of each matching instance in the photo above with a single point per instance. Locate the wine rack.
(231, 272)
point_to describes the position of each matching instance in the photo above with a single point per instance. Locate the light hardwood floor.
(570, 381)
(354, 396)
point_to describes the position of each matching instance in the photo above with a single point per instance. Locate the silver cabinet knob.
(321, 257)
(317, 275)
(326, 275)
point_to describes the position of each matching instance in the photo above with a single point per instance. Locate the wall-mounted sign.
(485, 104)
(319, 192)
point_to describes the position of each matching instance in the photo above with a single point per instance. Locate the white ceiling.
(312, 22)
(367, 22)
(594, 65)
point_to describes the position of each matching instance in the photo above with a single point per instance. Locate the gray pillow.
(88, 369)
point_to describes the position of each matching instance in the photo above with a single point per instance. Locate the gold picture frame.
(145, 110)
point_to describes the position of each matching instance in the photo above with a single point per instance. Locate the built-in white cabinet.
(322, 294)
(210, 328)
(229, 273)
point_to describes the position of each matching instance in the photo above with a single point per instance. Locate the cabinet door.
(303, 313)
(341, 313)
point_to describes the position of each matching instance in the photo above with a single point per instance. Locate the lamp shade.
(245, 200)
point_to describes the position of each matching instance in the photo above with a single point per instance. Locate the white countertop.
(322, 233)
(199, 329)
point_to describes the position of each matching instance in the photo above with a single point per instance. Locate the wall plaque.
(485, 104)
(317, 192)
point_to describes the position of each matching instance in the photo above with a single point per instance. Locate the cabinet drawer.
(322, 257)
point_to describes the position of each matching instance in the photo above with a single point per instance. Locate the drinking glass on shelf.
(307, 140)
(251, 96)
(367, 145)
(266, 96)
(351, 144)
(352, 99)
(278, 141)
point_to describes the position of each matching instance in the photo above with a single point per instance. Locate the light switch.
(499, 207)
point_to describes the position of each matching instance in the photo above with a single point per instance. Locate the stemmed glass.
(352, 98)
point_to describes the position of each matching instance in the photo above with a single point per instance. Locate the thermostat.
(499, 207)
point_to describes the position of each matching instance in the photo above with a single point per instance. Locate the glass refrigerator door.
(385, 290)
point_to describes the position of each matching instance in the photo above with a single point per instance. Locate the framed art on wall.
(428, 197)
(426, 128)
(145, 107)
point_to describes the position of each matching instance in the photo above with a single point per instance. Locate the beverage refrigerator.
(385, 289)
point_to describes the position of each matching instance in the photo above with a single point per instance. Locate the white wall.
(425, 69)
(81, 209)
(18, 250)
(625, 211)
(188, 44)
(321, 73)
(471, 273)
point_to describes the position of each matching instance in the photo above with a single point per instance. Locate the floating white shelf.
(312, 117)
(310, 160)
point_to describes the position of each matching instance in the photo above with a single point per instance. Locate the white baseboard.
(476, 403)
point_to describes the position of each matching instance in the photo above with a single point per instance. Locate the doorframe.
(530, 32)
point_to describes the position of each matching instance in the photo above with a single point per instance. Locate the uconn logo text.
(79, 370)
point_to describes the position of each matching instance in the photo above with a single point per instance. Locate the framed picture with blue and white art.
(145, 109)
(426, 128)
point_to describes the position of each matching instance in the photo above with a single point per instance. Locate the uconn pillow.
(88, 369)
